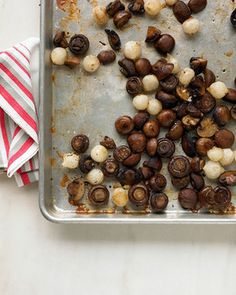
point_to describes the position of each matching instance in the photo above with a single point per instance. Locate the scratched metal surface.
(73, 101)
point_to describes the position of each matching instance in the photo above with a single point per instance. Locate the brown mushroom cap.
(124, 125)
(207, 128)
(110, 167)
(98, 195)
(138, 195)
(183, 92)
(137, 142)
(162, 69)
(76, 190)
(224, 138)
(180, 183)
(228, 178)
(189, 121)
(179, 166)
(121, 153)
(80, 143)
(188, 198)
(158, 202)
(157, 182)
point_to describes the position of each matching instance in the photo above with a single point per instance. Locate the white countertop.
(37, 257)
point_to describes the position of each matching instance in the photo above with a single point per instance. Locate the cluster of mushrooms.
(187, 104)
(79, 44)
(121, 15)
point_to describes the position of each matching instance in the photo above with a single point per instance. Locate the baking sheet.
(74, 102)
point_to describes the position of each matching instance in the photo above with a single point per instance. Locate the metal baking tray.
(75, 102)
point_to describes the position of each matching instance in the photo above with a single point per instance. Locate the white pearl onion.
(91, 63)
(171, 59)
(99, 154)
(70, 161)
(218, 90)
(228, 157)
(171, 2)
(120, 197)
(154, 107)
(132, 50)
(100, 15)
(58, 56)
(215, 154)
(191, 26)
(152, 7)
(140, 102)
(95, 176)
(186, 76)
(150, 83)
(213, 169)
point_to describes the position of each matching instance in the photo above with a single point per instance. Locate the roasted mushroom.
(98, 195)
(198, 64)
(108, 143)
(129, 176)
(165, 148)
(153, 34)
(197, 181)
(176, 131)
(197, 164)
(124, 125)
(180, 183)
(79, 44)
(228, 178)
(189, 143)
(188, 199)
(138, 196)
(222, 115)
(86, 163)
(80, 143)
(157, 182)
(140, 119)
(154, 163)
(121, 18)
(224, 138)
(127, 67)
(110, 167)
(179, 166)
(121, 153)
(151, 147)
(76, 191)
(137, 142)
(136, 7)
(59, 39)
(158, 202)
(113, 39)
(207, 128)
(113, 7)
(162, 69)
(132, 160)
(151, 128)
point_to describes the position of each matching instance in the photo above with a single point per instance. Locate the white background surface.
(37, 257)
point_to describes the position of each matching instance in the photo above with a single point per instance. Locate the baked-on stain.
(127, 210)
(72, 11)
(53, 162)
(53, 77)
(64, 181)
(53, 130)
(229, 53)
(82, 209)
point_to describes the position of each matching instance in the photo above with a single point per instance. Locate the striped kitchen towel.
(18, 114)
